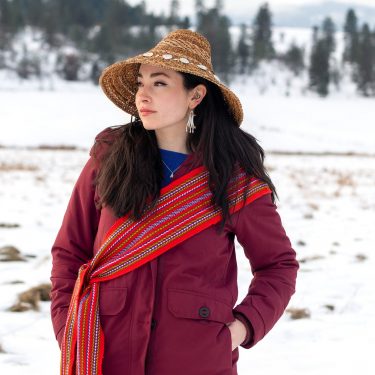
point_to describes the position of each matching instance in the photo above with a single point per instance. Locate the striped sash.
(183, 209)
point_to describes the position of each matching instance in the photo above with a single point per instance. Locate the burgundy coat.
(169, 316)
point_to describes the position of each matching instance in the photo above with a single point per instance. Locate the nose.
(142, 95)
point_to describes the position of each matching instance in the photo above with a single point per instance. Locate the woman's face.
(161, 99)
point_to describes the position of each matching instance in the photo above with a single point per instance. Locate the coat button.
(204, 312)
(153, 323)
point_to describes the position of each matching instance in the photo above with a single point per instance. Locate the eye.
(158, 83)
(138, 83)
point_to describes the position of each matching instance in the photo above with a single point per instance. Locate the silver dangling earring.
(190, 127)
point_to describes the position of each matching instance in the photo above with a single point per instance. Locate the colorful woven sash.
(183, 209)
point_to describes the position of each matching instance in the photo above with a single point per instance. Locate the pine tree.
(16, 18)
(185, 23)
(319, 67)
(328, 34)
(294, 58)
(351, 42)
(34, 12)
(116, 27)
(215, 27)
(52, 23)
(103, 43)
(199, 6)
(262, 46)
(219, 5)
(366, 62)
(174, 17)
(315, 34)
(200, 9)
(321, 55)
(243, 50)
(5, 17)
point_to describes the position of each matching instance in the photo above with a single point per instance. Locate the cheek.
(176, 105)
(137, 101)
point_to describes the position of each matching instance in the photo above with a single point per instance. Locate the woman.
(147, 241)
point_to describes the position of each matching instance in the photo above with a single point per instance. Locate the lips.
(145, 111)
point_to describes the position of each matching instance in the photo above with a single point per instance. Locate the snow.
(327, 206)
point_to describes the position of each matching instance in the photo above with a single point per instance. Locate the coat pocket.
(193, 305)
(112, 299)
(199, 330)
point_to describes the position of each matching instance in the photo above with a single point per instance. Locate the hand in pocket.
(238, 332)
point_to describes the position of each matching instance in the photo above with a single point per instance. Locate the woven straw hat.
(181, 50)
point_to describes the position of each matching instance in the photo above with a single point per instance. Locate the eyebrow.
(156, 74)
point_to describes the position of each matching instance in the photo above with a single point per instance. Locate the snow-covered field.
(321, 156)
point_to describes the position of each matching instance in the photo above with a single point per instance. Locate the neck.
(172, 140)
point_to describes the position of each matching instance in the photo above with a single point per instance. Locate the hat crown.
(186, 43)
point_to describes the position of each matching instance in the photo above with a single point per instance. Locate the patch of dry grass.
(313, 206)
(361, 257)
(310, 258)
(11, 254)
(9, 225)
(29, 299)
(345, 180)
(12, 167)
(298, 313)
(15, 282)
(330, 307)
(308, 216)
(57, 147)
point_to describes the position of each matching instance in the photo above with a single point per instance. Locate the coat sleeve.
(73, 245)
(273, 263)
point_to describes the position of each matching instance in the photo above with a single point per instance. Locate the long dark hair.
(130, 174)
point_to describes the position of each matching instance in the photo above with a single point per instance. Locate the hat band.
(184, 60)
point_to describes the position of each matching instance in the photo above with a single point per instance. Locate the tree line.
(104, 31)
(358, 57)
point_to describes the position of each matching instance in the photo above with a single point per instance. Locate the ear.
(196, 95)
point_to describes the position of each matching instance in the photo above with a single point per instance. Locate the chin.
(149, 125)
